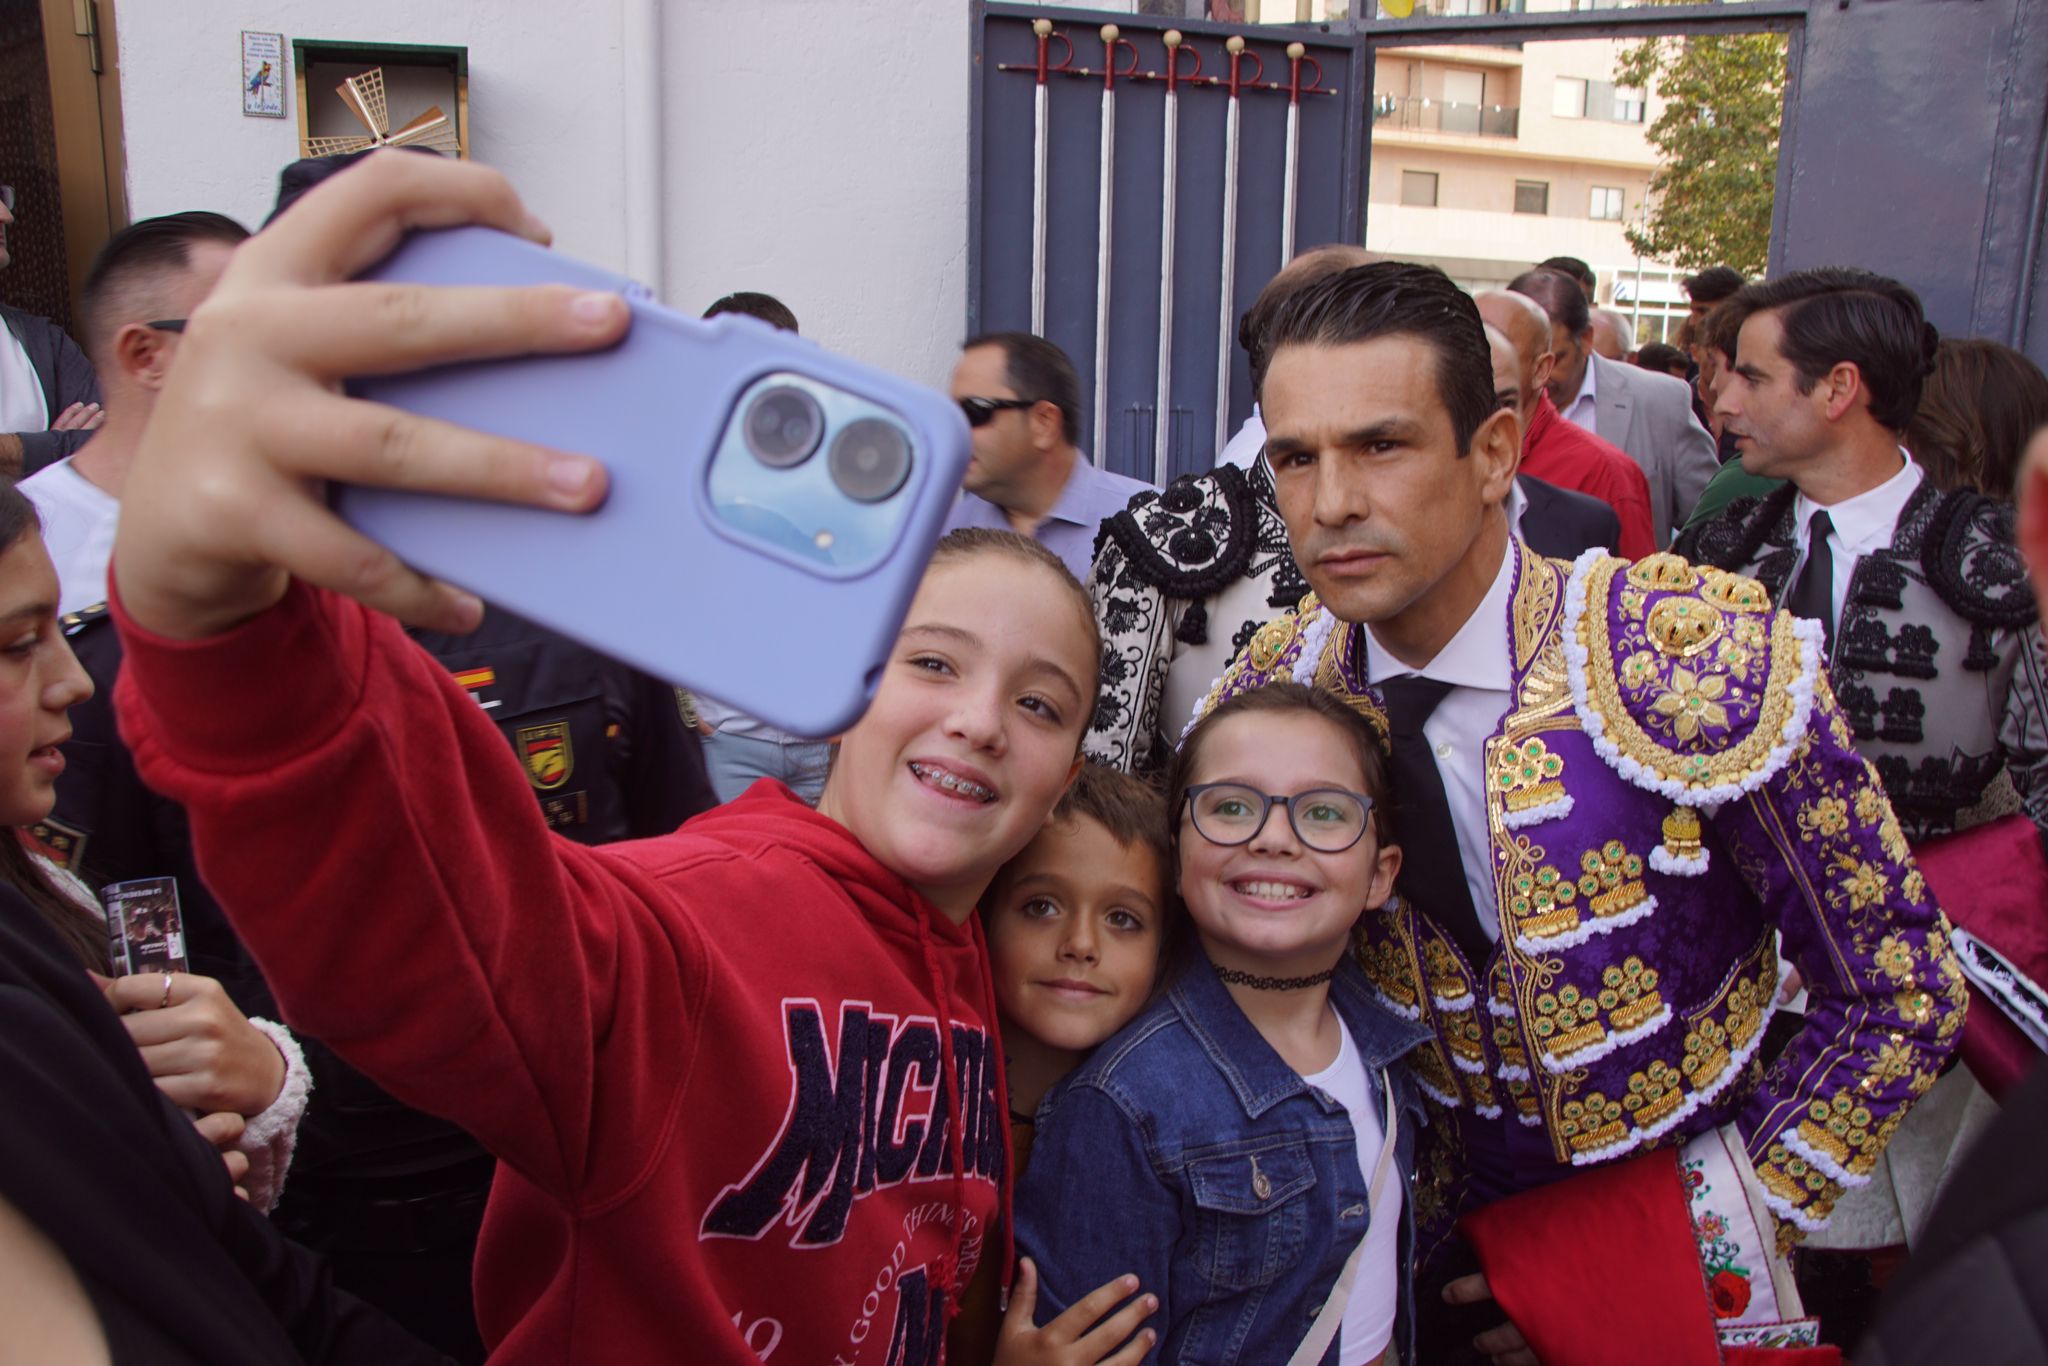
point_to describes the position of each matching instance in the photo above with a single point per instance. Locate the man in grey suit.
(1648, 415)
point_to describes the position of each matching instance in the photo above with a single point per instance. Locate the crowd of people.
(1535, 857)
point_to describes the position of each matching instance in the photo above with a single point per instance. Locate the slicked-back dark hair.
(753, 304)
(1040, 372)
(1397, 298)
(1559, 295)
(1574, 267)
(1317, 263)
(1713, 284)
(152, 246)
(1838, 313)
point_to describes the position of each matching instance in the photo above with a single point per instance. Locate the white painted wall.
(814, 150)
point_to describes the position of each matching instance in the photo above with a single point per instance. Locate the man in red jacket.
(1556, 451)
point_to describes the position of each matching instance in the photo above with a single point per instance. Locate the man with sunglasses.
(1022, 398)
(49, 398)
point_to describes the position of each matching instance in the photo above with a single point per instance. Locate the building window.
(1628, 105)
(1607, 203)
(1532, 196)
(1419, 188)
(1568, 98)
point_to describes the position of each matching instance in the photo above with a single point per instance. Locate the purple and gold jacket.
(1672, 798)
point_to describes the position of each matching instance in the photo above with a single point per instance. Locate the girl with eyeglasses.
(1244, 1145)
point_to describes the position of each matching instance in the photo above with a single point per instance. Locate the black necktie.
(1432, 869)
(1813, 592)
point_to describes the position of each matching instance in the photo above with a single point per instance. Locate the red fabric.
(1783, 1356)
(1567, 455)
(1993, 882)
(1603, 1269)
(633, 1030)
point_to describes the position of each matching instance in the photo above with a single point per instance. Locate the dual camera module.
(869, 458)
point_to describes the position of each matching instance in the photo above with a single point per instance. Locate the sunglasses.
(166, 325)
(982, 411)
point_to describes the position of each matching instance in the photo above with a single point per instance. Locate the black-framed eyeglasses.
(1328, 820)
(166, 325)
(982, 411)
(7, 198)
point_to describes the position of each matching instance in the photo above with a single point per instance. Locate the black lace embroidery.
(1734, 538)
(1869, 645)
(1192, 539)
(1928, 794)
(1859, 703)
(1903, 711)
(1970, 557)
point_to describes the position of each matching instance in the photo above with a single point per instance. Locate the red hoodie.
(1567, 455)
(710, 1064)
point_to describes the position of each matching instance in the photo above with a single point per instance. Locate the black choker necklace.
(1258, 983)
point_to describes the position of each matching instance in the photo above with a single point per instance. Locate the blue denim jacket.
(1149, 1160)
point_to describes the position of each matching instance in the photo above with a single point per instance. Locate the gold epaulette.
(1686, 681)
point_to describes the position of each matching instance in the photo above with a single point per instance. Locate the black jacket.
(178, 1268)
(67, 378)
(1564, 523)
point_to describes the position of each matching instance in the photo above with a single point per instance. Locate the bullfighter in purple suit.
(1651, 793)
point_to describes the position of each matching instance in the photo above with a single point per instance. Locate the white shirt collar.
(1580, 409)
(1517, 504)
(1864, 523)
(1477, 656)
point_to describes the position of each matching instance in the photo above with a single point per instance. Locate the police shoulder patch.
(547, 754)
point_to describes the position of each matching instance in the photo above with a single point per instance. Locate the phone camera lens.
(783, 426)
(870, 459)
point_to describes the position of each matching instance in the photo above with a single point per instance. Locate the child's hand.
(202, 1051)
(225, 502)
(1075, 1338)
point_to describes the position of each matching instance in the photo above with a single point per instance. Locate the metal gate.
(1914, 142)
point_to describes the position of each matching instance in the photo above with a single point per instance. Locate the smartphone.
(771, 506)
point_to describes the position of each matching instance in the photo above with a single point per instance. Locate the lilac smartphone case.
(656, 577)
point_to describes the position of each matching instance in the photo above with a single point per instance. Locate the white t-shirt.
(78, 527)
(21, 389)
(1376, 1294)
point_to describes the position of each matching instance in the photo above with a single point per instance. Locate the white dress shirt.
(21, 389)
(1243, 449)
(1859, 525)
(1580, 411)
(1476, 664)
(78, 530)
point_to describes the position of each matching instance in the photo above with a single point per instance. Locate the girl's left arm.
(1092, 1207)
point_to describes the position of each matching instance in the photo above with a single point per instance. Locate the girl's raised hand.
(1081, 1336)
(225, 503)
(202, 1051)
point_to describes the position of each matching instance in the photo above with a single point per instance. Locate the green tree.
(1717, 141)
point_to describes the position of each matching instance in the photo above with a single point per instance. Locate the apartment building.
(1486, 159)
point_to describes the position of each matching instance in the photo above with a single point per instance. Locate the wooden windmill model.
(364, 96)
